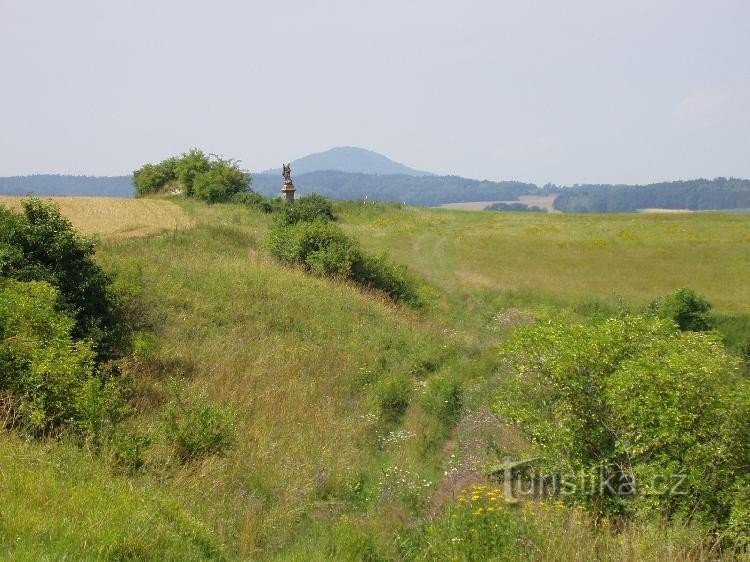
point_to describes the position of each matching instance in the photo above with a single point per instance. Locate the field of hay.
(116, 218)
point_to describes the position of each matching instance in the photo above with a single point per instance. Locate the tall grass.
(319, 469)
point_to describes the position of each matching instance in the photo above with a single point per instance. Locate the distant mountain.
(349, 159)
(55, 184)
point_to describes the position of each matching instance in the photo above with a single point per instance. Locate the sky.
(573, 91)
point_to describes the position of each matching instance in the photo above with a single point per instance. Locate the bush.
(443, 398)
(220, 182)
(646, 405)
(393, 395)
(319, 246)
(210, 178)
(188, 166)
(376, 272)
(49, 377)
(325, 249)
(688, 310)
(198, 427)
(151, 178)
(307, 209)
(41, 245)
(257, 201)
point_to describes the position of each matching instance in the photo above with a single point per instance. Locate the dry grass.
(116, 218)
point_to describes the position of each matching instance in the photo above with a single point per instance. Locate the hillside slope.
(322, 469)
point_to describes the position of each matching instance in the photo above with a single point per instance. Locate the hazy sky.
(563, 91)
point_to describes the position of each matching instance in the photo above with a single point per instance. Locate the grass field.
(317, 474)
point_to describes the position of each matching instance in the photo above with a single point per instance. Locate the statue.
(288, 189)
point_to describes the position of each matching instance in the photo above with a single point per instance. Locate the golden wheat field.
(116, 218)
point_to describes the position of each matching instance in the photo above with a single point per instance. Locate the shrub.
(41, 245)
(198, 427)
(376, 272)
(49, 377)
(257, 201)
(443, 398)
(188, 166)
(307, 209)
(393, 395)
(220, 182)
(210, 178)
(325, 249)
(646, 405)
(686, 308)
(151, 178)
(319, 246)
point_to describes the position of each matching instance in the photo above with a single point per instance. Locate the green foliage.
(719, 193)
(41, 245)
(688, 310)
(323, 248)
(150, 178)
(320, 246)
(220, 182)
(393, 394)
(377, 272)
(443, 398)
(307, 209)
(518, 207)
(197, 427)
(188, 166)
(48, 376)
(257, 201)
(350, 541)
(647, 405)
(209, 178)
(480, 526)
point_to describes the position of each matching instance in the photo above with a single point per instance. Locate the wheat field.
(116, 218)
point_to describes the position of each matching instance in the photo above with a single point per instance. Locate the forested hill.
(700, 194)
(55, 184)
(414, 190)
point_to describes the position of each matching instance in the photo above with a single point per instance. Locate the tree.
(41, 245)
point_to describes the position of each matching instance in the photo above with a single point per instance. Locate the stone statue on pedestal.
(288, 189)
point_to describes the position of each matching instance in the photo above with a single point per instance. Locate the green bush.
(376, 272)
(50, 378)
(188, 166)
(209, 178)
(41, 245)
(323, 248)
(220, 182)
(198, 427)
(638, 402)
(151, 178)
(393, 394)
(686, 308)
(307, 209)
(319, 246)
(257, 201)
(443, 398)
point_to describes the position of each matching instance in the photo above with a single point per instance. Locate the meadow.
(324, 466)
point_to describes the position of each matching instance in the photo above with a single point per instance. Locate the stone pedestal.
(288, 191)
